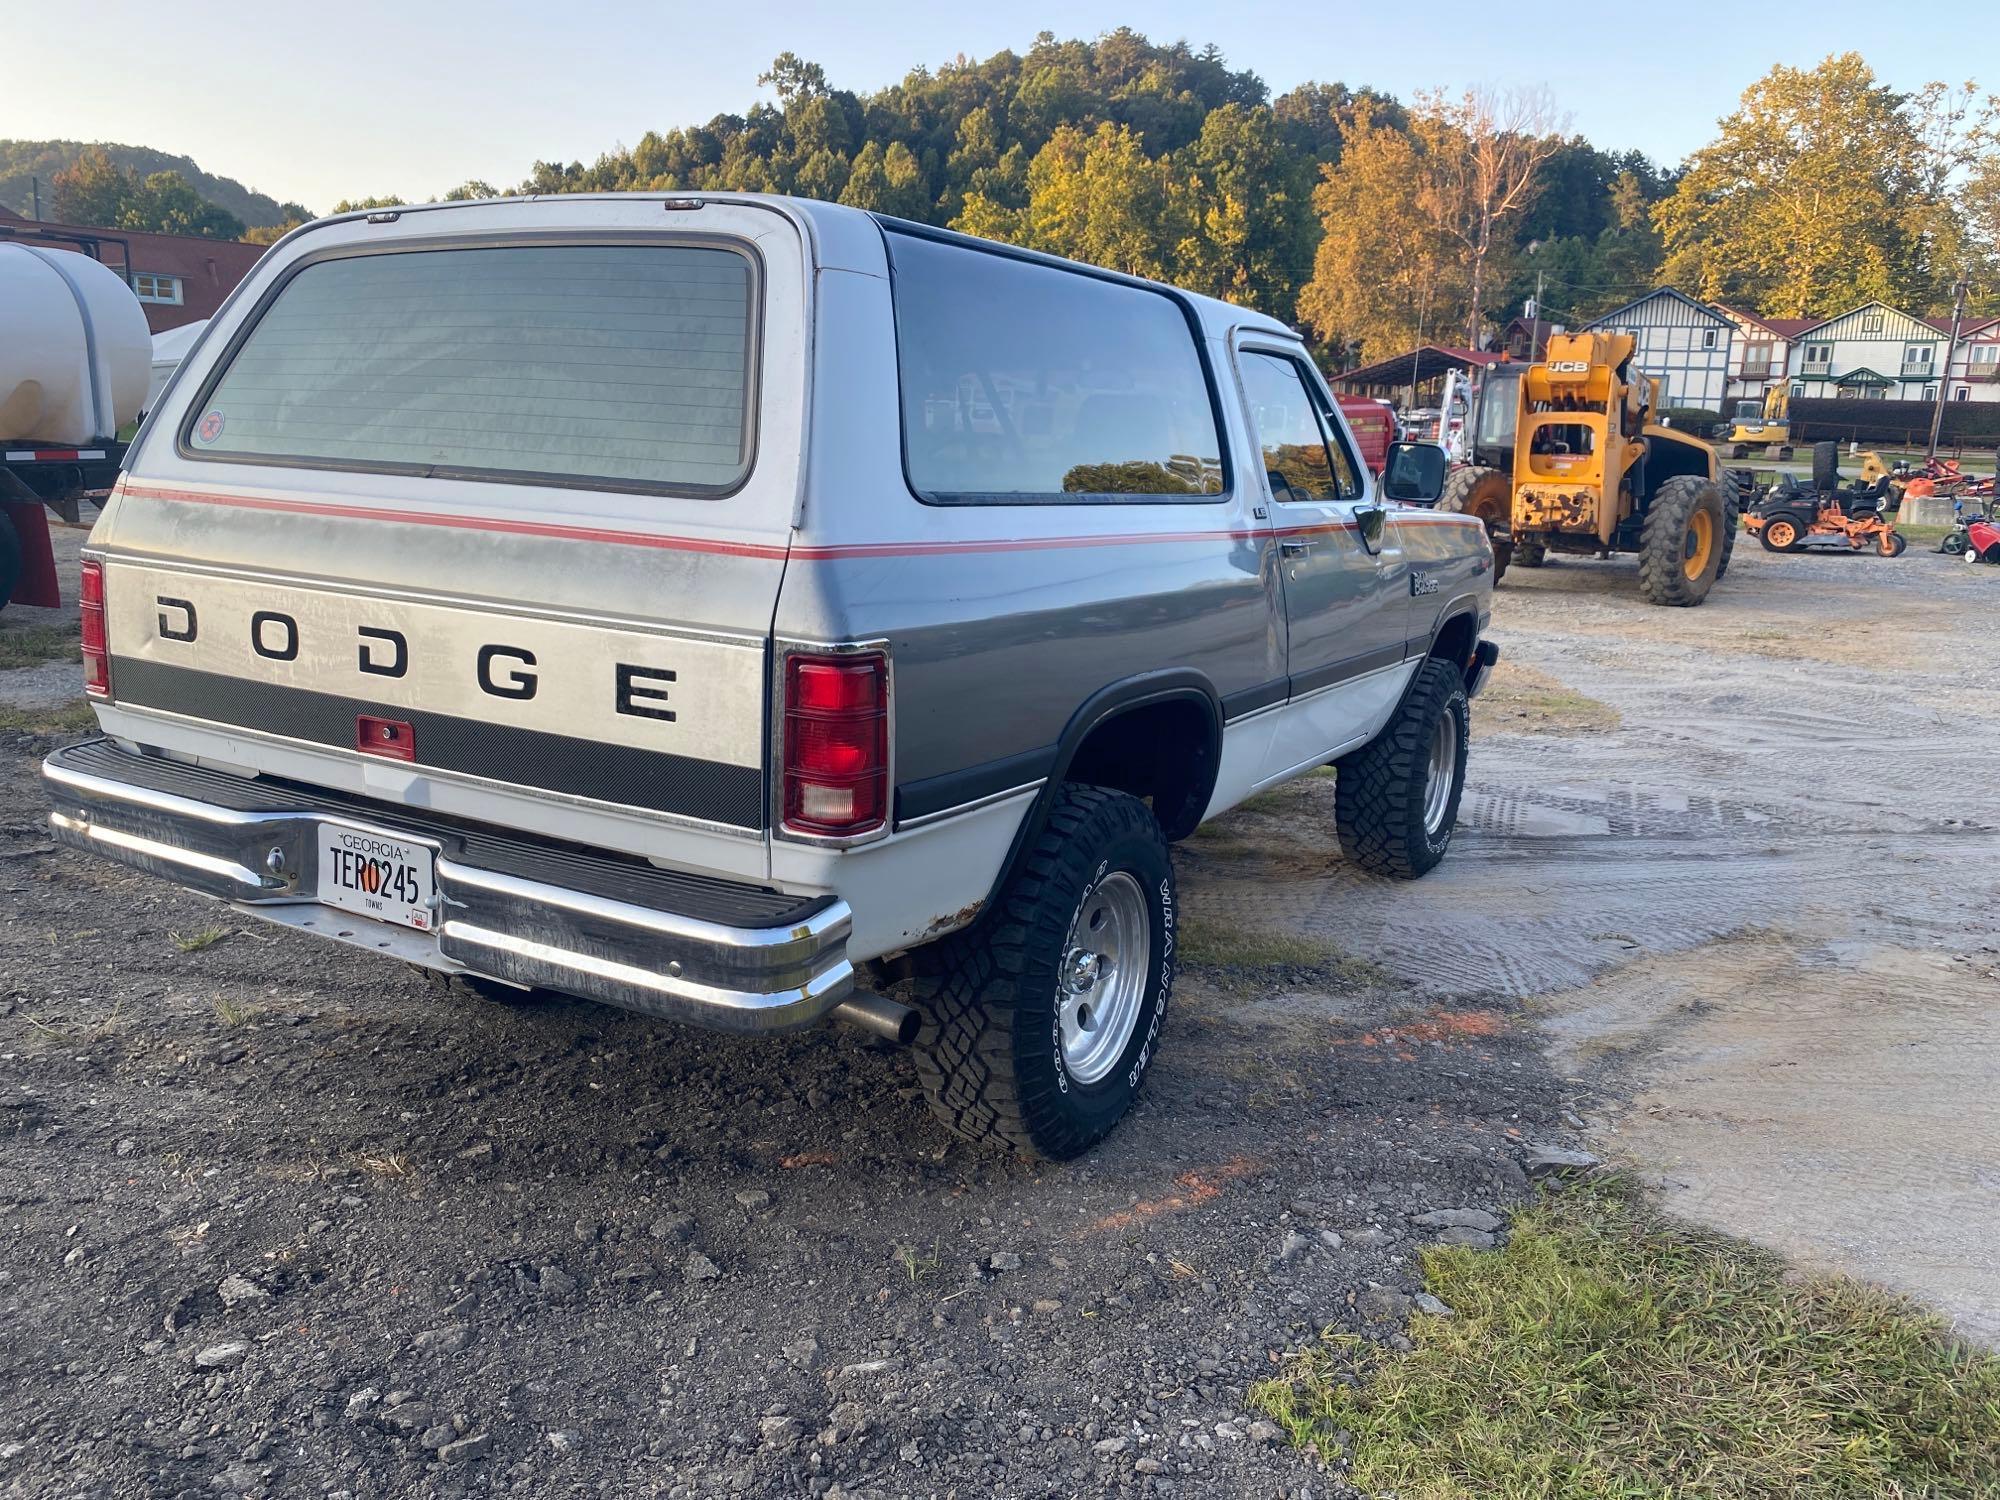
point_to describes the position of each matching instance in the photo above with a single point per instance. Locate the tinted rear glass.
(1024, 383)
(628, 365)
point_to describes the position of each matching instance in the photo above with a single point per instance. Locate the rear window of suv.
(1029, 384)
(629, 366)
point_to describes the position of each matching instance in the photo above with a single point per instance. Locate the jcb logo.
(1569, 366)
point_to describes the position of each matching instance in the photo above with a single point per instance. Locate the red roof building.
(178, 278)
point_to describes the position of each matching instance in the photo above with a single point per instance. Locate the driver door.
(1346, 596)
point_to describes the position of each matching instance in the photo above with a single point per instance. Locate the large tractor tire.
(1530, 554)
(10, 559)
(1682, 542)
(1826, 467)
(1487, 494)
(1732, 522)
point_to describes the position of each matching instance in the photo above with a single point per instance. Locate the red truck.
(1373, 425)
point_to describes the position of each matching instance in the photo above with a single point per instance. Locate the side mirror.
(1414, 473)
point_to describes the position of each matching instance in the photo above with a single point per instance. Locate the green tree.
(92, 191)
(1247, 212)
(1385, 277)
(1818, 194)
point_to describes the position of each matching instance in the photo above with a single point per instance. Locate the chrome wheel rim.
(1441, 772)
(1101, 981)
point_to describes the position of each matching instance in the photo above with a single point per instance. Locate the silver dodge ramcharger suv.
(691, 603)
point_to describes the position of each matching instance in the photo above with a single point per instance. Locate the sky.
(318, 102)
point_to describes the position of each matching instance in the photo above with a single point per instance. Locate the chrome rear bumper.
(710, 952)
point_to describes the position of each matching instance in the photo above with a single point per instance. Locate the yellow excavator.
(1564, 459)
(1762, 425)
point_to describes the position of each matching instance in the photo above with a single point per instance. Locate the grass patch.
(37, 645)
(1923, 538)
(1205, 940)
(917, 1265)
(194, 942)
(1520, 700)
(74, 717)
(233, 1013)
(1606, 1352)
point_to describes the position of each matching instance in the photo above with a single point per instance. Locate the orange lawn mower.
(1793, 518)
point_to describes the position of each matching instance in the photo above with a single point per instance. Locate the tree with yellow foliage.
(1826, 190)
(1384, 276)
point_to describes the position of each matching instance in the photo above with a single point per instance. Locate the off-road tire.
(1732, 522)
(1663, 578)
(1379, 793)
(990, 1052)
(1488, 494)
(1826, 467)
(10, 559)
(1530, 554)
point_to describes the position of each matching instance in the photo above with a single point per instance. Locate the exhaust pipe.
(877, 1013)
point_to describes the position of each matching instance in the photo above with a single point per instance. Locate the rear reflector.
(96, 655)
(836, 770)
(393, 739)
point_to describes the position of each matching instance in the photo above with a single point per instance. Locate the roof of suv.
(1217, 317)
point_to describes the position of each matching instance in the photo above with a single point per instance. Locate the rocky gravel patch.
(279, 1220)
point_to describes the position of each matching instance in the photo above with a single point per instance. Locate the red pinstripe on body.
(806, 552)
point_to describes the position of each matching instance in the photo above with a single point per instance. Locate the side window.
(1304, 458)
(1029, 384)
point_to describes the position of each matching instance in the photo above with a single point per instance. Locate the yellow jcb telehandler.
(1565, 460)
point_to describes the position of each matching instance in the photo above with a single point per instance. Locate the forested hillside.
(1373, 222)
(21, 160)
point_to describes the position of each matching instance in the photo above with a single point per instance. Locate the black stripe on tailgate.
(651, 779)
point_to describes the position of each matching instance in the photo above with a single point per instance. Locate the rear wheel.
(1953, 545)
(1487, 494)
(1826, 467)
(1780, 534)
(1396, 799)
(1040, 1021)
(1681, 543)
(1530, 554)
(1732, 522)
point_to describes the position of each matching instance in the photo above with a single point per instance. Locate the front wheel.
(1681, 542)
(1040, 1020)
(1396, 799)
(1894, 543)
(1780, 534)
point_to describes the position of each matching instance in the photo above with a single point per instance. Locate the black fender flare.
(1172, 684)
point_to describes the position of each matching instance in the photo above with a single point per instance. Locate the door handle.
(1293, 546)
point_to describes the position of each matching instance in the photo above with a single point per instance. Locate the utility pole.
(35, 189)
(1944, 375)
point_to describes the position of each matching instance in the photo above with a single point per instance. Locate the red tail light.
(836, 781)
(96, 656)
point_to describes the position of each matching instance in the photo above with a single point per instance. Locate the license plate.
(373, 875)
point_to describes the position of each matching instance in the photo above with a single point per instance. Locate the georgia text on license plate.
(391, 880)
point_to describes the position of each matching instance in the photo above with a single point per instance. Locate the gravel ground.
(278, 1218)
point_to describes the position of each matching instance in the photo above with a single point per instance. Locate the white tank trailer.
(75, 364)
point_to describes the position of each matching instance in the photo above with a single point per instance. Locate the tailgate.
(480, 517)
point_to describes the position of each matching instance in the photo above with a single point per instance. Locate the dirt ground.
(278, 1219)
